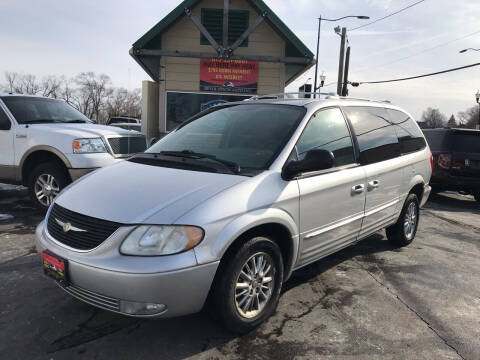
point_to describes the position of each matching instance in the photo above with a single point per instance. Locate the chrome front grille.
(92, 232)
(98, 300)
(127, 145)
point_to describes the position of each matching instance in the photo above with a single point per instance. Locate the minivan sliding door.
(331, 201)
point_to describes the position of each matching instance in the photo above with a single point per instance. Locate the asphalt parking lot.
(370, 301)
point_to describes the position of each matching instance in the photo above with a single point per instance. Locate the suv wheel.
(404, 230)
(45, 183)
(248, 286)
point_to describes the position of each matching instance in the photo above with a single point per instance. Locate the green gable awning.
(294, 47)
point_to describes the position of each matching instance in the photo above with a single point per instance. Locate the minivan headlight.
(156, 240)
(85, 146)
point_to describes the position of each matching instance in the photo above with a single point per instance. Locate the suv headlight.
(85, 146)
(148, 240)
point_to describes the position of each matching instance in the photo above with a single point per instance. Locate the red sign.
(238, 76)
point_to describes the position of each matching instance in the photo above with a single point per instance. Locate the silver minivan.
(226, 206)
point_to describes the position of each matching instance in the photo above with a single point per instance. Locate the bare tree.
(22, 83)
(89, 93)
(51, 86)
(11, 78)
(469, 118)
(433, 118)
(123, 102)
(29, 84)
(93, 94)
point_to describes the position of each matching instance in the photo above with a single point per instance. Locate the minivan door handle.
(358, 189)
(373, 184)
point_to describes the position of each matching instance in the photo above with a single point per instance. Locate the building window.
(238, 22)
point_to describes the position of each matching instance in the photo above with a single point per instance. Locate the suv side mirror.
(314, 160)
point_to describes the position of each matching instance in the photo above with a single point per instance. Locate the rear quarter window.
(466, 142)
(409, 134)
(375, 134)
(437, 140)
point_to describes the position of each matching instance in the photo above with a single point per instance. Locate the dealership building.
(207, 52)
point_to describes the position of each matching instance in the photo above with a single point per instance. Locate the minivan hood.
(131, 193)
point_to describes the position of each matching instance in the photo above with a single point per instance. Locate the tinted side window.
(328, 130)
(4, 121)
(437, 140)
(466, 142)
(409, 135)
(375, 134)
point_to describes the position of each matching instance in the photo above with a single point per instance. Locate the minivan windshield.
(32, 110)
(246, 136)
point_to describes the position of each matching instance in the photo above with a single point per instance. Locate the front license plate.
(54, 266)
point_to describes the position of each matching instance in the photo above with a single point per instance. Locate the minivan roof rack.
(303, 95)
(290, 96)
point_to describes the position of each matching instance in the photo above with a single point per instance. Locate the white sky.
(67, 37)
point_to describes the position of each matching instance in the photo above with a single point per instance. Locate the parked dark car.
(456, 160)
(122, 120)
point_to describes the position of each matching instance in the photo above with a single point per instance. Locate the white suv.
(46, 144)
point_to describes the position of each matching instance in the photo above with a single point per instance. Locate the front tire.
(404, 230)
(248, 285)
(45, 183)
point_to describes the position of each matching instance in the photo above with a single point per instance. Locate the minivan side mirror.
(153, 141)
(314, 160)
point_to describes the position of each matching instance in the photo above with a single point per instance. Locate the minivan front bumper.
(172, 293)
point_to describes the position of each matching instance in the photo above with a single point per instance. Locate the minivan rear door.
(380, 157)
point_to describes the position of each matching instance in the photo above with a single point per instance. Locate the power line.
(423, 51)
(387, 16)
(417, 77)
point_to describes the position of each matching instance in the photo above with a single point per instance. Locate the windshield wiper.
(40, 121)
(75, 121)
(232, 166)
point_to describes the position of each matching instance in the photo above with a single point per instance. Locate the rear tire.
(45, 183)
(404, 230)
(243, 301)
(477, 196)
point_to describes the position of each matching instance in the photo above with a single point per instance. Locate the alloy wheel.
(254, 285)
(46, 189)
(410, 221)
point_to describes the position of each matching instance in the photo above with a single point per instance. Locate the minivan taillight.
(431, 161)
(444, 161)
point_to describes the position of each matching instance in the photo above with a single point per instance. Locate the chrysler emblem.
(66, 227)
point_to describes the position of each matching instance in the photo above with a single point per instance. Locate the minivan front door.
(7, 170)
(331, 201)
(380, 157)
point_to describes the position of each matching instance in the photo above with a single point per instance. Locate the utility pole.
(316, 63)
(345, 77)
(341, 61)
(477, 96)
